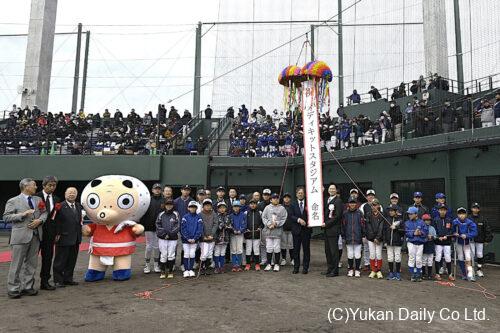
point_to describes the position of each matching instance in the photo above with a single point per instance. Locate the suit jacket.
(49, 223)
(14, 208)
(332, 224)
(296, 214)
(69, 224)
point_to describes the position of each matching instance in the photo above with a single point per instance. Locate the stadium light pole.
(341, 53)
(85, 68)
(77, 69)
(458, 47)
(197, 72)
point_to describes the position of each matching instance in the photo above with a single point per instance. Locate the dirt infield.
(251, 301)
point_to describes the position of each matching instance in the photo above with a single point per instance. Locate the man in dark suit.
(49, 185)
(68, 220)
(331, 227)
(301, 232)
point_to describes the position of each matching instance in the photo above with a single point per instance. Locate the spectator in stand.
(448, 117)
(395, 94)
(208, 112)
(173, 115)
(414, 87)
(487, 114)
(230, 113)
(421, 83)
(496, 108)
(354, 98)
(402, 90)
(396, 119)
(375, 93)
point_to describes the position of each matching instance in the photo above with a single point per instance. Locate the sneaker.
(350, 273)
(471, 278)
(247, 267)
(413, 278)
(372, 275)
(397, 277)
(234, 269)
(192, 274)
(391, 276)
(216, 270)
(283, 262)
(292, 263)
(379, 275)
(257, 267)
(441, 270)
(451, 277)
(276, 268)
(437, 277)
(239, 269)
(268, 267)
(357, 274)
(147, 270)
(418, 278)
(163, 275)
(157, 268)
(185, 274)
(479, 273)
(170, 276)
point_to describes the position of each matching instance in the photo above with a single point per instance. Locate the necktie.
(47, 203)
(301, 207)
(30, 203)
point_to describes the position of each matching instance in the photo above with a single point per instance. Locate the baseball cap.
(236, 203)
(287, 195)
(202, 192)
(426, 217)
(193, 204)
(440, 196)
(475, 205)
(370, 192)
(186, 187)
(266, 191)
(461, 210)
(412, 210)
(221, 203)
(253, 201)
(220, 188)
(207, 201)
(352, 199)
(243, 197)
(156, 185)
(394, 195)
(275, 195)
(352, 190)
(169, 202)
(443, 206)
(375, 202)
(417, 194)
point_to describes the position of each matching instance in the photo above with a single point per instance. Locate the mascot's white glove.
(123, 225)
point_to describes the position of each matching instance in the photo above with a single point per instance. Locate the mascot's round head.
(113, 199)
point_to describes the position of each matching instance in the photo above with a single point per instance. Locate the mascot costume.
(114, 204)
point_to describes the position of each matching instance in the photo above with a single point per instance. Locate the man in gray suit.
(27, 213)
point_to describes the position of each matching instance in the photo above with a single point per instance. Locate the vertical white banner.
(312, 155)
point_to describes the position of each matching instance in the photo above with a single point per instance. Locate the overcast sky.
(142, 52)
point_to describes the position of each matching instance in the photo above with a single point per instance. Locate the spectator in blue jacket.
(191, 231)
(465, 231)
(355, 98)
(416, 234)
(239, 224)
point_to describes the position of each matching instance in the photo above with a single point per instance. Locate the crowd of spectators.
(279, 134)
(32, 131)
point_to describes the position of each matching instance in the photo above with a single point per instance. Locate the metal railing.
(470, 87)
(214, 137)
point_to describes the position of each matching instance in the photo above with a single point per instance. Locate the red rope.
(483, 290)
